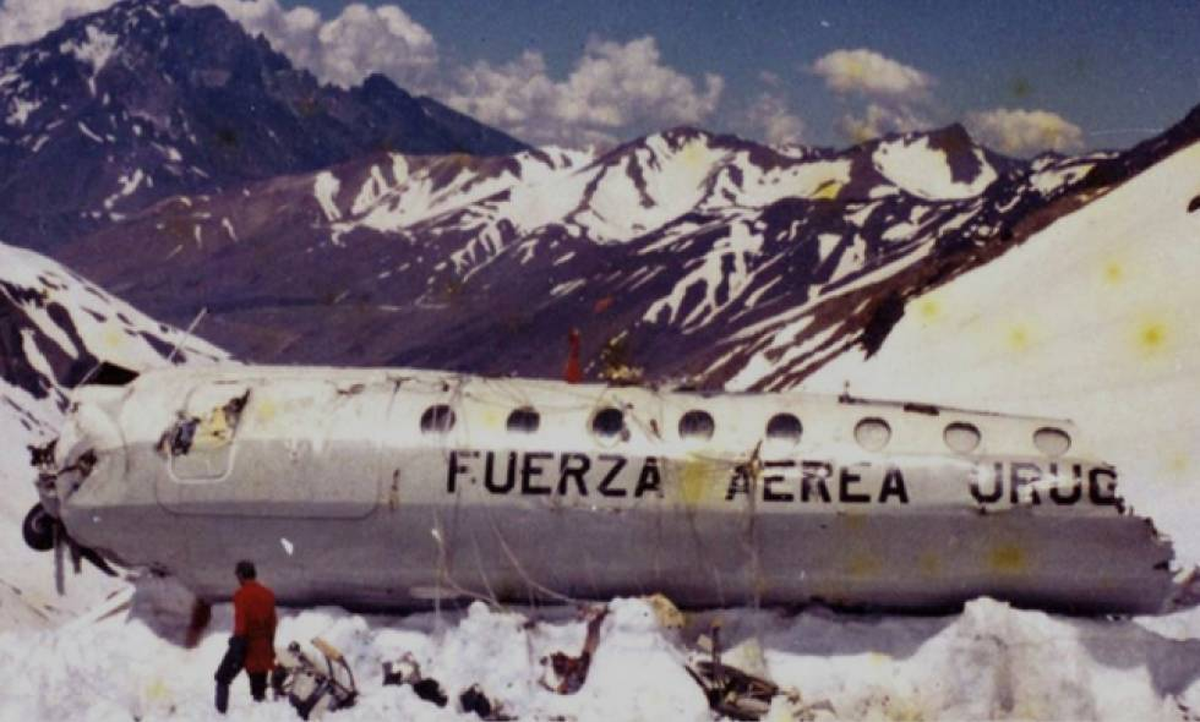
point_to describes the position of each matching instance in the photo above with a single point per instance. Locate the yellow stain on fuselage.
(929, 565)
(264, 410)
(697, 479)
(863, 564)
(1007, 559)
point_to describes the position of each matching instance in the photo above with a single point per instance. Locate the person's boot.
(222, 697)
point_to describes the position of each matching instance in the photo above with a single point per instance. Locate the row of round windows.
(871, 433)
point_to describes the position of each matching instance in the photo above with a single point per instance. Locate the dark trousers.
(231, 664)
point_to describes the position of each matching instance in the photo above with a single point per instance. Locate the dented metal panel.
(395, 487)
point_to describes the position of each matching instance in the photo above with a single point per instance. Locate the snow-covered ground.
(990, 662)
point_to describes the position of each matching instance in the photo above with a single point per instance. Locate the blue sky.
(1116, 70)
(1023, 76)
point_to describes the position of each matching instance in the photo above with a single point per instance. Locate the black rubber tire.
(38, 529)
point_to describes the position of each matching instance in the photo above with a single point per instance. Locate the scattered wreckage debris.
(568, 673)
(730, 691)
(311, 688)
(473, 699)
(214, 429)
(406, 671)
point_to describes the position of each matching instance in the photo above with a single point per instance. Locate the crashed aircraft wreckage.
(394, 488)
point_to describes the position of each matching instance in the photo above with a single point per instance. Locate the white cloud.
(1024, 132)
(23, 21)
(770, 118)
(613, 90)
(869, 73)
(612, 87)
(878, 120)
(346, 48)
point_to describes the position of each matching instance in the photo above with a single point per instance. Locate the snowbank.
(990, 662)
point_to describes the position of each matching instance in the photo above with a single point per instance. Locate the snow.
(130, 182)
(21, 109)
(325, 190)
(925, 171)
(88, 132)
(737, 248)
(989, 662)
(95, 51)
(1089, 319)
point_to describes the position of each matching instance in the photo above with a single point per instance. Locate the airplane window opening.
(696, 425)
(608, 422)
(524, 421)
(962, 437)
(1051, 441)
(872, 434)
(784, 427)
(437, 419)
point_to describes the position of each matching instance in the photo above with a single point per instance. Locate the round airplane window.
(524, 421)
(696, 425)
(608, 422)
(1051, 441)
(872, 434)
(784, 427)
(962, 437)
(437, 419)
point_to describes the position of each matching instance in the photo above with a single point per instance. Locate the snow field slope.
(1093, 319)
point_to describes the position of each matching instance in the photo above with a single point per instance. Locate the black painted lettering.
(769, 480)
(1058, 492)
(847, 479)
(814, 474)
(893, 485)
(997, 479)
(618, 463)
(456, 468)
(650, 479)
(489, 481)
(1103, 493)
(1023, 473)
(568, 470)
(739, 483)
(530, 471)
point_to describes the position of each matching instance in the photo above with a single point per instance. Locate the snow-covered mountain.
(150, 98)
(57, 329)
(664, 248)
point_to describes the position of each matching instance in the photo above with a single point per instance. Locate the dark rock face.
(689, 252)
(150, 99)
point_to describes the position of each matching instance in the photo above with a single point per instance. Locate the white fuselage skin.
(394, 487)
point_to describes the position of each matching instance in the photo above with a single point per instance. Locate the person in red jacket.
(252, 645)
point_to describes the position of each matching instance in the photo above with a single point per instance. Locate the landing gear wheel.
(38, 529)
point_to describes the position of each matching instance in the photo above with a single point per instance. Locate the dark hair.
(245, 570)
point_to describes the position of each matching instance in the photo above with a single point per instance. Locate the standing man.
(252, 645)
